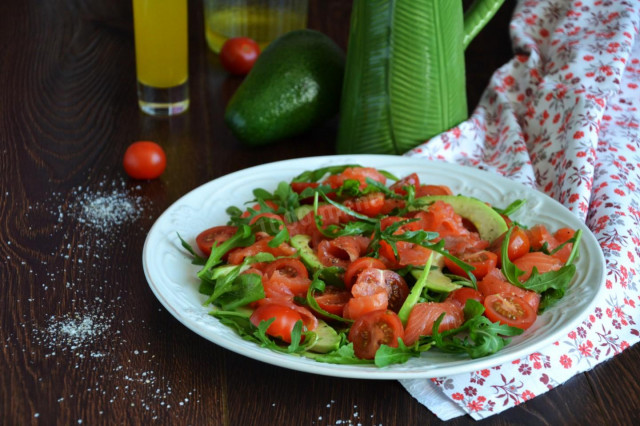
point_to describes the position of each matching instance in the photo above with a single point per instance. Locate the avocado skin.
(294, 85)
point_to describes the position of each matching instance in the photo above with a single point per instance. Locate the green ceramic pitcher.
(405, 73)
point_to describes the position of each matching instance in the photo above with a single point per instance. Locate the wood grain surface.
(83, 339)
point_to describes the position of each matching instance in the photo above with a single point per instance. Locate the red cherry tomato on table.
(144, 160)
(238, 55)
(374, 329)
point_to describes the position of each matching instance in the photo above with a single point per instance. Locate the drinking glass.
(260, 20)
(160, 28)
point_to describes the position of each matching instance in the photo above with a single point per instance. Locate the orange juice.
(161, 42)
(257, 20)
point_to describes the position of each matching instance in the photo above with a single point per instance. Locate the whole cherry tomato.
(238, 54)
(144, 160)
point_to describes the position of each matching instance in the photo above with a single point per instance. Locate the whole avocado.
(294, 85)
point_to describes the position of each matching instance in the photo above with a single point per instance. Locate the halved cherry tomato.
(358, 306)
(257, 207)
(368, 205)
(217, 235)
(482, 262)
(518, 245)
(359, 265)
(461, 295)
(372, 330)
(372, 280)
(494, 282)
(144, 160)
(333, 299)
(509, 309)
(285, 320)
(238, 54)
(424, 315)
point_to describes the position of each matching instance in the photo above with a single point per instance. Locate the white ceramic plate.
(173, 279)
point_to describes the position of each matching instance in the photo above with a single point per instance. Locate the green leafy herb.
(414, 294)
(483, 337)
(511, 208)
(317, 174)
(197, 259)
(386, 355)
(318, 285)
(242, 238)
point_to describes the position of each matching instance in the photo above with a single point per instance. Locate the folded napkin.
(563, 117)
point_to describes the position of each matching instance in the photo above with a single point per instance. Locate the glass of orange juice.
(160, 28)
(260, 20)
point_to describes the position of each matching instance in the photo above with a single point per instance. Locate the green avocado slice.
(488, 222)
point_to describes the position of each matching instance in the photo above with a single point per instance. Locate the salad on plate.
(350, 265)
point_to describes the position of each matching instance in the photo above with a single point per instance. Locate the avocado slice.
(488, 222)
(328, 339)
(300, 242)
(437, 280)
(302, 211)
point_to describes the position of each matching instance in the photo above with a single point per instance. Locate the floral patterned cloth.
(562, 116)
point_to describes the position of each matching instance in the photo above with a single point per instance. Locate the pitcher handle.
(477, 16)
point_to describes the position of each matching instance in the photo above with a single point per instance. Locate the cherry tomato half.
(217, 235)
(509, 309)
(370, 331)
(518, 245)
(333, 299)
(482, 261)
(461, 295)
(238, 54)
(144, 160)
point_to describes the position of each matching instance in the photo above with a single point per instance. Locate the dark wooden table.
(83, 339)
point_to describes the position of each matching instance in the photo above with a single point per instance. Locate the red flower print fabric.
(563, 117)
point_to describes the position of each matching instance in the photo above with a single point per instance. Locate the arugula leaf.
(197, 259)
(238, 321)
(414, 294)
(318, 285)
(351, 228)
(510, 271)
(317, 174)
(244, 289)
(386, 355)
(273, 227)
(343, 355)
(242, 238)
(511, 208)
(483, 336)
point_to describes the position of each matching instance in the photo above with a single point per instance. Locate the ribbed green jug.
(405, 73)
